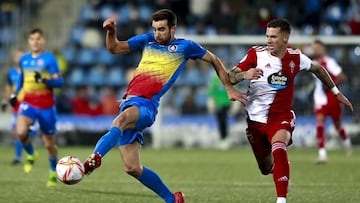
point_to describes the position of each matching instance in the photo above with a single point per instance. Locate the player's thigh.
(128, 118)
(257, 137)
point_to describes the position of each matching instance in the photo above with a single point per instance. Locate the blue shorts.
(148, 111)
(46, 117)
(32, 129)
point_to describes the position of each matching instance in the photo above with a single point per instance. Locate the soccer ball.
(70, 170)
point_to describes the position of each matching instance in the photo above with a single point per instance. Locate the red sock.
(320, 135)
(281, 172)
(342, 133)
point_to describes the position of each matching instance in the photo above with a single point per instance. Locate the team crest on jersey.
(292, 66)
(40, 62)
(172, 48)
(278, 80)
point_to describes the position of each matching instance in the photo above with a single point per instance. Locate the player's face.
(36, 42)
(276, 41)
(318, 51)
(162, 32)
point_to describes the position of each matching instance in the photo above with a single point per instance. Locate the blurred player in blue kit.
(40, 74)
(163, 58)
(12, 78)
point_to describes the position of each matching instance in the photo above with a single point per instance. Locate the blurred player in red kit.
(326, 103)
(270, 118)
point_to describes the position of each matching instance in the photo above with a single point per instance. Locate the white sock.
(322, 153)
(281, 200)
(347, 142)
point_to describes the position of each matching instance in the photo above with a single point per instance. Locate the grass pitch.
(204, 175)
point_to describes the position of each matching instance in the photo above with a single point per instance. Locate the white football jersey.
(271, 95)
(334, 70)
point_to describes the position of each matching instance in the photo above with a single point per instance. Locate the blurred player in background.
(40, 74)
(220, 104)
(271, 120)
(12, 78)
(326, 103)
(163, 58)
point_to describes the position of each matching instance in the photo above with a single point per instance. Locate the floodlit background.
(227, 28)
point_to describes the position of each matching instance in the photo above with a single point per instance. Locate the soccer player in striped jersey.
(163, 58)
(326, 104)
(40, 74)
(271, 120)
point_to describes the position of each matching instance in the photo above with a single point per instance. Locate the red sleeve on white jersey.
(331, 66)
(249, 61)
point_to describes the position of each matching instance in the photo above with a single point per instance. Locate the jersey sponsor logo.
(278, 81)
(172, 48)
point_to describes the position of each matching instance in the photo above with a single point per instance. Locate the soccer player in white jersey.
(325, 102)
(270, 118)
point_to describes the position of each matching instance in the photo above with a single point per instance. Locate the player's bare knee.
(120, 121)
(133, 171)
(265, 169)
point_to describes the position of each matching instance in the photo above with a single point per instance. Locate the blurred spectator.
(354, 17)
(109, 101)
(83, 105)
(189, 107)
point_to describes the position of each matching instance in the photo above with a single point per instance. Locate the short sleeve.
(305, 62)
(194, 50)
(248, 61)
(138, 42)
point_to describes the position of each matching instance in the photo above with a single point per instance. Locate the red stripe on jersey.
(282, 103)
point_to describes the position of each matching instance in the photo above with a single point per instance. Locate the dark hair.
(282, 23)
(317, 41)
(36, 30)
(165, 14)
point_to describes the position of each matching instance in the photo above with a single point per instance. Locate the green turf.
(203, 175)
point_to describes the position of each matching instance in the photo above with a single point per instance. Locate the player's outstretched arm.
(325, 78)
(219, 67)
(112, 44)
(236, 75)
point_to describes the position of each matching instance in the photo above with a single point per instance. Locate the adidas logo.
(283, 179)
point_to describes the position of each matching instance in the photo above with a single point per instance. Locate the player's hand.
(38, 78)
(4, 104)
(13, 100)
(253, 74)
(109, 24)
(345, 101)
(236, 95)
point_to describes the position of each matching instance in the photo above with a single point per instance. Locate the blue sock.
(18, 149)
(151, 180)
(108, 141)
(29, 148)
(53, 162)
